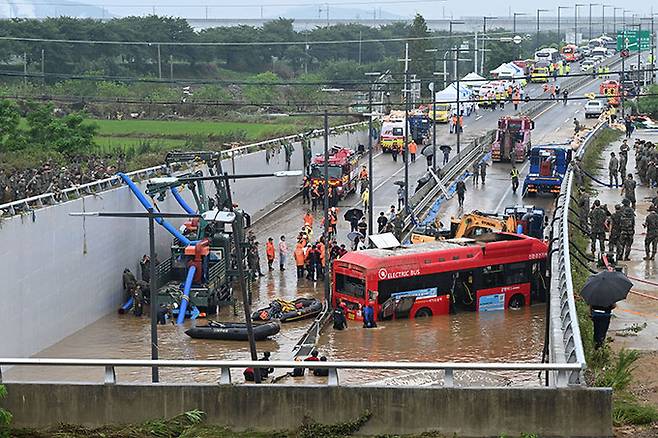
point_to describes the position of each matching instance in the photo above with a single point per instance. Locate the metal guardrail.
(565, 342)
(225, 366)
(51, 198)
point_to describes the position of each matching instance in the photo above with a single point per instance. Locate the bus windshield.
(317, 171)
(567, 50)
(352, 286)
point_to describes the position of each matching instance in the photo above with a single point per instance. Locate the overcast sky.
(429, 9)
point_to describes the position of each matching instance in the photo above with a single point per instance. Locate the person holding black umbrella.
(601, 291)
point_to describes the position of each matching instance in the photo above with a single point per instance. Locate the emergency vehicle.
(570, 53)
(612, 90)
(393, 131)
(512, 139)
(493, 271)
(343, 170)
(540, 72)
(548, 165)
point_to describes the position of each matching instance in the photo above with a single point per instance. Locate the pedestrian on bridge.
(382, 220)
(628, 189)
(365, 198)
(412, 150)
(476, 173)
(565, 96)
(269, 253)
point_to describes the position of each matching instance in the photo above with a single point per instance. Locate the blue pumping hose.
(181, 201)
(186, 294)
(147, 205)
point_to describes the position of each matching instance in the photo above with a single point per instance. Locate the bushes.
(5, 416)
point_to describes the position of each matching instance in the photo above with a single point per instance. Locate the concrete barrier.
(466, 412)
(60, 273)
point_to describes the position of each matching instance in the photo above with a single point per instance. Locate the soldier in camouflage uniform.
(623, 158)
(627, 231)
(651, 239)
(615, 229)
(628, 189)
(597, 218)
(613, 166)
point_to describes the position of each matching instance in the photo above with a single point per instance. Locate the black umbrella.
(353, 213)
(606, 288)
(399, 183)
(428, 151)
(445, 148)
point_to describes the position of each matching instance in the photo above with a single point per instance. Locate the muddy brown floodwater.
(510, 336)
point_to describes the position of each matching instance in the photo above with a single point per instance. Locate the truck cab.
(548, 165)
(512, 139)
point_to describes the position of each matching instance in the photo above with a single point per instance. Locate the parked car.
(594, 108)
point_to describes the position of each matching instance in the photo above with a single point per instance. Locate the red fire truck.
(612, 90)
(512, 139)
(493, 271)
(343, 170)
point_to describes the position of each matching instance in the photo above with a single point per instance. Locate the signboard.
(632, 39)
(491, 302)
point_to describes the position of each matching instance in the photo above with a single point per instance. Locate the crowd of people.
(52, 178)
(619, 225)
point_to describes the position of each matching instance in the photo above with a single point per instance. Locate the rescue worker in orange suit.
(321, 266)
(299, 260)
(412, 150)
(270, 251)
(308, 219)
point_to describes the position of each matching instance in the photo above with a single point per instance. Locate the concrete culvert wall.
(466, 412)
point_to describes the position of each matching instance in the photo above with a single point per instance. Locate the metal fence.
(333, 368)
(51, 198)
(565, 342)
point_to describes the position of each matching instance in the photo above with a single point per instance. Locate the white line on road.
(478, 117)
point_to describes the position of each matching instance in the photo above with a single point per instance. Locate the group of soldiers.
(51, 178)
(621, 223)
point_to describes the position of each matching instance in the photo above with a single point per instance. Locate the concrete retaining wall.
(467, 412)
(59, 274)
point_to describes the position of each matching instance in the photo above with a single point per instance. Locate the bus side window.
(516, 273)
(493, 276)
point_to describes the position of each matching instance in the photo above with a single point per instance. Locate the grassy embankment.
(605, 367)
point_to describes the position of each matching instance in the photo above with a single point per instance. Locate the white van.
(600, 51)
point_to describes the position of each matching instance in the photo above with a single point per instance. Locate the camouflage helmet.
(626, 202)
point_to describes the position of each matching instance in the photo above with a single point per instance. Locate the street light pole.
(590, 18)
(559, 34)
(614, 20)
(459, 126)
(405, 153)
(603, 17)
(484, 40)
(575, 21)
(325, 232)
(452, 22)
(538, 11)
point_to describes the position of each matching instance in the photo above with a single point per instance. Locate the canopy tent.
(473, 81)
(507, 71)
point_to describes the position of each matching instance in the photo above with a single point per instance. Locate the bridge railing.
(50, 198)
(225, 366)
(565, 342)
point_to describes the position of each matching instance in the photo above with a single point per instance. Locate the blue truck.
(419, 125)
(548, 165)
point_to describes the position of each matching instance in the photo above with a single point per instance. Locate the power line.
(244, 43)
(229, 5)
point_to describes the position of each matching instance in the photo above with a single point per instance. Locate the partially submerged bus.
(493, 271)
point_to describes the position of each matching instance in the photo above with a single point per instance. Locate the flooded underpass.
(510, 336)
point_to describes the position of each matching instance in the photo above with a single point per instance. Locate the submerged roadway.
(496, 336)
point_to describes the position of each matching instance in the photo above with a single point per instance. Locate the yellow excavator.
(477, 223)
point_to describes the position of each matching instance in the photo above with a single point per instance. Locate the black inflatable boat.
(288, 311)
(233, 331)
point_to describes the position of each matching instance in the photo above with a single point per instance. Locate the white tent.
(474, 81)
(507, 71)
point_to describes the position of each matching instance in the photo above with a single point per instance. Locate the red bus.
(570, 53)
(493, 271)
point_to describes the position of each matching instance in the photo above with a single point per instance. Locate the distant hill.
(38, 9)
(318, 11)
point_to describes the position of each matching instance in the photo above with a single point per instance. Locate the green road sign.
(632, 39)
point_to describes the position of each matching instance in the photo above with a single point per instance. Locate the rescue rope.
(595, 179)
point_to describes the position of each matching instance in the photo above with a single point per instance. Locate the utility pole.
(43, 66)
(360, 37)
(159, 63)
(25, 68)
(405, 152)
(171, 68)
(325, 232)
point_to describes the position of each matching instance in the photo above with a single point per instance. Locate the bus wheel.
(516, 302)
(423, 313)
